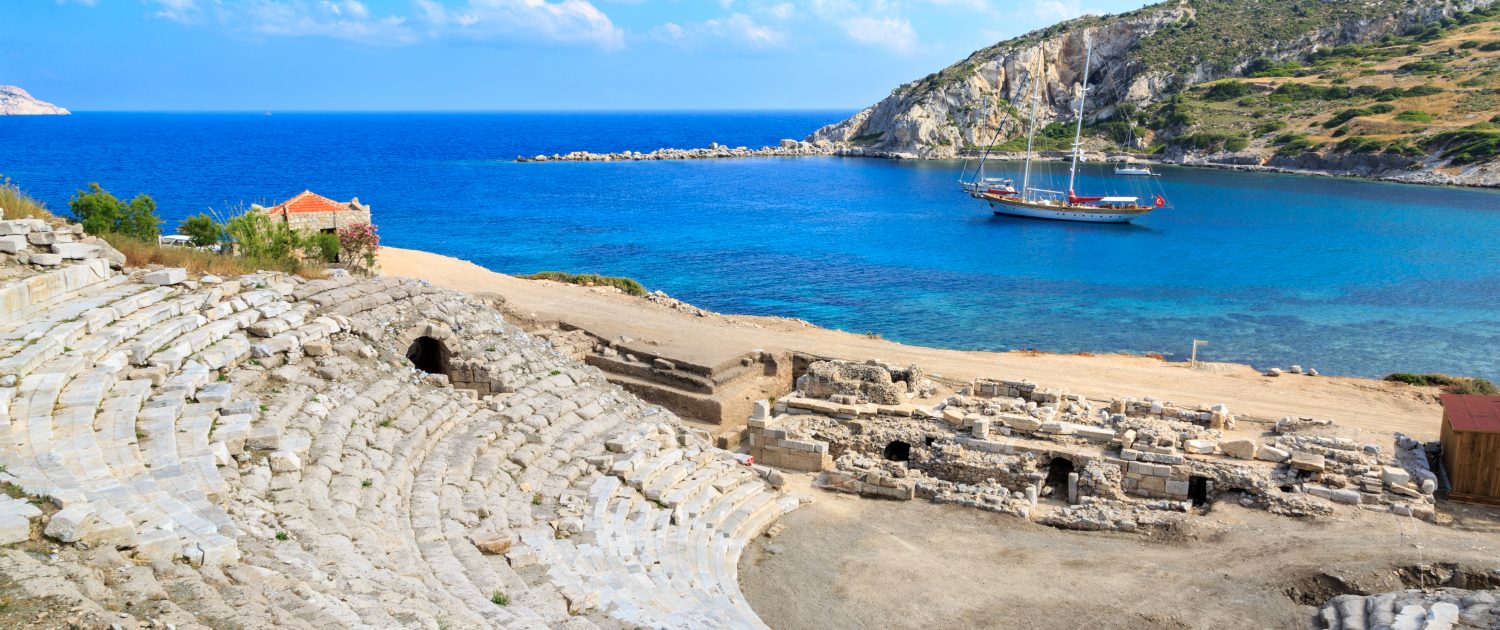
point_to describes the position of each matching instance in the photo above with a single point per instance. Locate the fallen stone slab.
(76, 251)
(168, 276)
(1310, 462)
(71, 523)
(1240, 449)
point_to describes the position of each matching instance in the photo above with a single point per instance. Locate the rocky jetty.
(715, 151)
(15, 101)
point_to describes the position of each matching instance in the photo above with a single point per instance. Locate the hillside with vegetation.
(1405, 90)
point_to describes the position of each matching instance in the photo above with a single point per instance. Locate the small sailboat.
(981, 184)
(1040, 203)
(1132, 169)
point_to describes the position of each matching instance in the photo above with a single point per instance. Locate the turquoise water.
(1349, 277)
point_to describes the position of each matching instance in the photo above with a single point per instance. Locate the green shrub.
(1433, 379)
(1421, 67)
(627, 285)
(1476, 386)
(1236, 144)
(1414, 115)
(1264, 67)
(1345, 116)
(1226, 91)
(1382, 108)
(1490, 46)
(1469, 43)
(1296, 145)
(322, 246)
(1422, 90)
(500, 599)
(1269, 127)
(1358, 144)
(1404, 148)
(102, 213)
(202, 229)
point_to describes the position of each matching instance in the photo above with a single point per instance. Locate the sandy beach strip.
(710, 339)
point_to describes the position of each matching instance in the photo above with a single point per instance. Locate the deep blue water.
(1346, 276)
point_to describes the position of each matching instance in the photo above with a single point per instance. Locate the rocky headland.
(1392, 90)
(15, 101)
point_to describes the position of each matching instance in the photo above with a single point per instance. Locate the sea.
(1344, 276)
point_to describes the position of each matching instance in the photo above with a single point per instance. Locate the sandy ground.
(718, 339)
(848, 562)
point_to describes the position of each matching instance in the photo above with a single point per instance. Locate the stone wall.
(321, 221)
(770, 444)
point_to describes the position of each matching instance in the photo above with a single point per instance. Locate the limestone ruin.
(266, 451)
(1122, 464)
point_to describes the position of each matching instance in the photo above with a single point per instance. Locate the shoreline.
(704, 340)
(795, 148)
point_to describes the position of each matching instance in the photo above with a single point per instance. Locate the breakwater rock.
(715, 151)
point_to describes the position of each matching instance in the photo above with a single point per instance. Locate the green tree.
(102, 213)
(202, 229)
(256, 235)
(323, 246)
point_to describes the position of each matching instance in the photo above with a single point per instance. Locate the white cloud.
(781, 11)
(348, 20)
(184, 11)
(888, 32)
(737, 28)
(563, 21)
(560, 21)
(1060, 10)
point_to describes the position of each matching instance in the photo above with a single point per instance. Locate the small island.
(15, 101)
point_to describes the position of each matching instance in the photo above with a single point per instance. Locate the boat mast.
(979, 176)
(1088, 47)
(1031, 127)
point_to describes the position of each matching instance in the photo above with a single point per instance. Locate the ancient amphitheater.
(264, 452)
(268, 451)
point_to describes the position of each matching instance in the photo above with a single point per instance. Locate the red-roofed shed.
(311, 212)
(1471, 447)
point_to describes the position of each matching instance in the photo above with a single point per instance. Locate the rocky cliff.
(15, 101)
(1141, 58)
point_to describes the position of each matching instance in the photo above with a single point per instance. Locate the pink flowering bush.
(358, 243)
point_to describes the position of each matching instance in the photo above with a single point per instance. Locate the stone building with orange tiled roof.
(311, 212)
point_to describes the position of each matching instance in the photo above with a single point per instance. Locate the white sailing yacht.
(1039, 203)
(982, 184)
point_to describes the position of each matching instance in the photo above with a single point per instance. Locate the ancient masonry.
(265, 451)
(1127, 464)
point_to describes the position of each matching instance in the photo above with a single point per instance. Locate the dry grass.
(19, 205)
(140, 253)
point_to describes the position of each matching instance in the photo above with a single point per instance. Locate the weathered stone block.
(13, 244)
(1239, 449)
(1199, 447)
(168, 276)
(1311, 462)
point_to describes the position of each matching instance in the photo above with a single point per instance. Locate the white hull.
(1133, 171)
(1064, 214)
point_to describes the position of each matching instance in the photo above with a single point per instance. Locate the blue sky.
(284, 55)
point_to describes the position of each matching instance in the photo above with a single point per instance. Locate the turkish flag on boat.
(1160, 203)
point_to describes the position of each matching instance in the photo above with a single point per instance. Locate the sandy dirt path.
(715, 339)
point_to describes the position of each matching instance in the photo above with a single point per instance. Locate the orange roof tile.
(307, 201)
